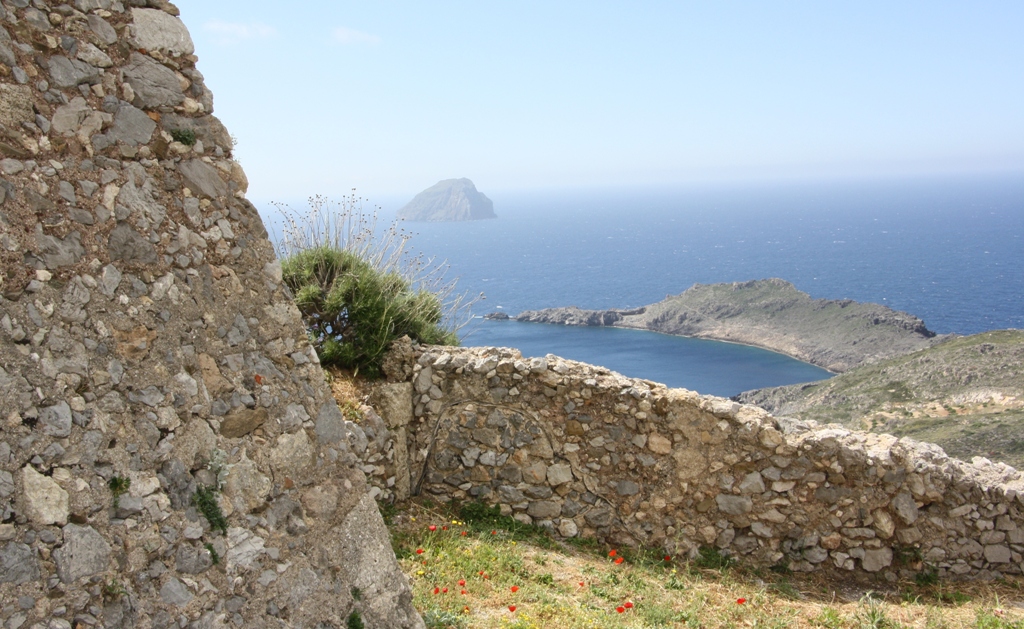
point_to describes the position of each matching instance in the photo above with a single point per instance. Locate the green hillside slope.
(966, 395)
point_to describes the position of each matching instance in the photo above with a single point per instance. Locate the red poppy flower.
(444, 528)
(511, 608)
(668, 558)
(432, 528)
(740, 601)
(487, 576)
(444, 590)
(463, 592)
(581, 583)
(620, 609)
(515, 588)
(628, 605)
(494, 532)
(437, 590)
(419, 551)
(619, 560)
(462, 582)
(463, 533)
(481, 573)
(612, 553)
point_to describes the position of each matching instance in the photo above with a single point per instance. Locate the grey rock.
(110, 280)
(208, 129)
(153, 29)
(8, 58)
(627, 488)
(89, 188)
(58, 252)
(155, 84)
(83, 554)
(67, 73)
(45, 501)
(131, 126)
(6, 481)
(330, 424)
(734, 505)
(191, 560)
(128, 506)
(448, 200)
(559, 474)
(174, 592)
(998, 554)
(752, 483)
(86, 6)
(84, 217)
(94, 56)
(202, 178)
(385, 590)
(905, 507)
(544, 509)
(18, 564)
(11, 166)
(102, 29)
(599, 517)
(129, 245)
(876, 559)
(67, 192)
(56, 420)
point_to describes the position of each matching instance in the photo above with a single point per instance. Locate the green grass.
(580, 586)
(205, 500)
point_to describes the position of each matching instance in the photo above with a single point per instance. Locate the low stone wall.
(581, 450)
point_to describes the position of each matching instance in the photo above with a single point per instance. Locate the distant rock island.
(448, 200)
(837, 335)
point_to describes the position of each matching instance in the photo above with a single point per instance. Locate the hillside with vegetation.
(966, 395)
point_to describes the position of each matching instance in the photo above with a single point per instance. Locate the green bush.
(354, 311)
(358, 290)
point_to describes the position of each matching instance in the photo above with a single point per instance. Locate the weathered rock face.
(580, 450)
(448, 200)
(145, 338)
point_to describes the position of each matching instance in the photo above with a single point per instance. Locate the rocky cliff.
(448, 200)
(837, 335)
(169, 453)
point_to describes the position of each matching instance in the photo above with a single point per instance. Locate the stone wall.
(580, 450)
(145, 336)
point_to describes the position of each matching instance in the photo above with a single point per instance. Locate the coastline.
(835, 335)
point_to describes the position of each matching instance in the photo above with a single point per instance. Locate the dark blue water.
(950, 251)
(710, 367)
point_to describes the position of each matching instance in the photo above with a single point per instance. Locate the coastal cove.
(710, 367)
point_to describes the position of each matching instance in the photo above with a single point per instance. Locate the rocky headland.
(837, 335)
(448, 200)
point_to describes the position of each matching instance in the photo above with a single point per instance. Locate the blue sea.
(949, 250)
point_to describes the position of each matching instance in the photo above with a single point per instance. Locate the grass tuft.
(359, 289)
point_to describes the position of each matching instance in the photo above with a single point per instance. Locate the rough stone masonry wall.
(145, 334)
(584, 451)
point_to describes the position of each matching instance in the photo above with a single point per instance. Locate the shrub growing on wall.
(358, 289)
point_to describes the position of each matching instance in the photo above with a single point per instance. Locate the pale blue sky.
(390, 97)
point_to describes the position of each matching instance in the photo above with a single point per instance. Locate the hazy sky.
(390, 97)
